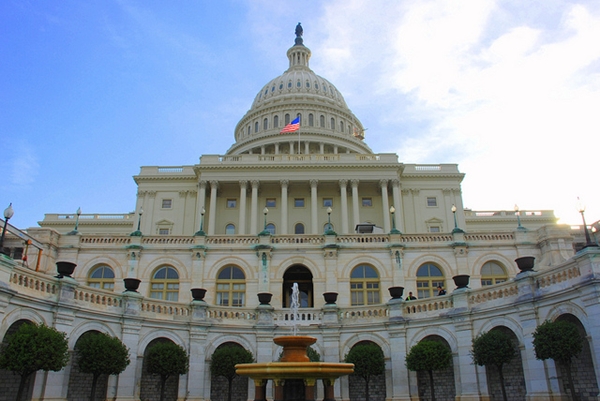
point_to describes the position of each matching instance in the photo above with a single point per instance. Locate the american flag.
(291, 127)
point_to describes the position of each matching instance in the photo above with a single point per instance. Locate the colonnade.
(346, 216)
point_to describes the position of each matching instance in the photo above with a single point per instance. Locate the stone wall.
(443, 382)
(357, 388)
(219, 388)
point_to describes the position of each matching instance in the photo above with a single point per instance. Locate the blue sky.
(90, 91)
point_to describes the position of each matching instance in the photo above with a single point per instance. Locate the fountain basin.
(294, 347)
(294, 370)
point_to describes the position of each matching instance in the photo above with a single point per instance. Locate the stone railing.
(365, 313)
(96, 297)
(33, 282)
(538, 284)
(230, 315)
(284, 317)
(165, 308)
(434, 305)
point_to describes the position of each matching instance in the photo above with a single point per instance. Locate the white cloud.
(509, 94)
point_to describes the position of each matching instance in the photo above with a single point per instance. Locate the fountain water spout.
(294, 308)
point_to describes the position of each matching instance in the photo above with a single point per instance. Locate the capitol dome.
(325, 119)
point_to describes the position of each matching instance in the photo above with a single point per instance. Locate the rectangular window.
(367, 202)
(434, 229)
(271, 202)
(299, 202)
(327, 202)
(167, 203)
(231, 203)
(163, 231)
(431, 201)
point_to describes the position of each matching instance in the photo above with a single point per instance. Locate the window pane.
(271, 202)
(299, 202)
(431, 201)
(299, 228)
(367, 202)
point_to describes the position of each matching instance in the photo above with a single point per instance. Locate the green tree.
(494, 348)
(31, 348)
(223, 363)
(368, 361)
(559, 340)
(429, 355)
(166, 359)
(100, 354)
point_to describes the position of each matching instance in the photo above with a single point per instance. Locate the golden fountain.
(294, 364)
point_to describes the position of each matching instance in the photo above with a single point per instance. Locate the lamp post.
(77, 214)
(329, 230)
(518, 213)
(456, 229)
(138, 233)
(588, 238)
(201, 231)
(264, 231)
(394, 229)
(8, 213)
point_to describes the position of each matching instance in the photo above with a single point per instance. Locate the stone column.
(278, 384)
(398, 204)
(212, 217)
(196, 373)
(291, 147)
(128, 387)
(417, 206)
(284, 206)
(259, 390)
(200, 202)
(306, 147)
(466, 381)
(309, 389)
(400, 380)
(313, 206)
(321, 148)
(254, 208)
(277, 148)
(385, 204)
(242, 218)
(344, 200)
(148, 216)
(355, 202)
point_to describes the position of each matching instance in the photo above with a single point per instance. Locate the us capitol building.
(315, 207)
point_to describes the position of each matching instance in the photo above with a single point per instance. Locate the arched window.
(364, 286)
(332, 123)
(230, 229)
(299, 228)
(429, 276)
(322, 121)
(231, 287)
(256, 126)
(276, 122)
(311, 120)
(271, 228)
(287, 119)
(265, 124)
(341, 126)
(492, 273)
(102, 277)
(248, 130)
(165, 284)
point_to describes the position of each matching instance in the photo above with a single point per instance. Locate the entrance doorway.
(301, 275)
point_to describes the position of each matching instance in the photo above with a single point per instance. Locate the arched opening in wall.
(150, 383)
(492, 273)
(9, 381)
(582, 366)
(80, 383)
(357, 386)
(364, 286)
(102, 277)
(219, 385)
(276, 122)
(299, 228)
(429, 276)
(443, 380)
(301, 275)
(514, 378)
(165, 284)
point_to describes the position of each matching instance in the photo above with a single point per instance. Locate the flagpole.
(298, 140)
